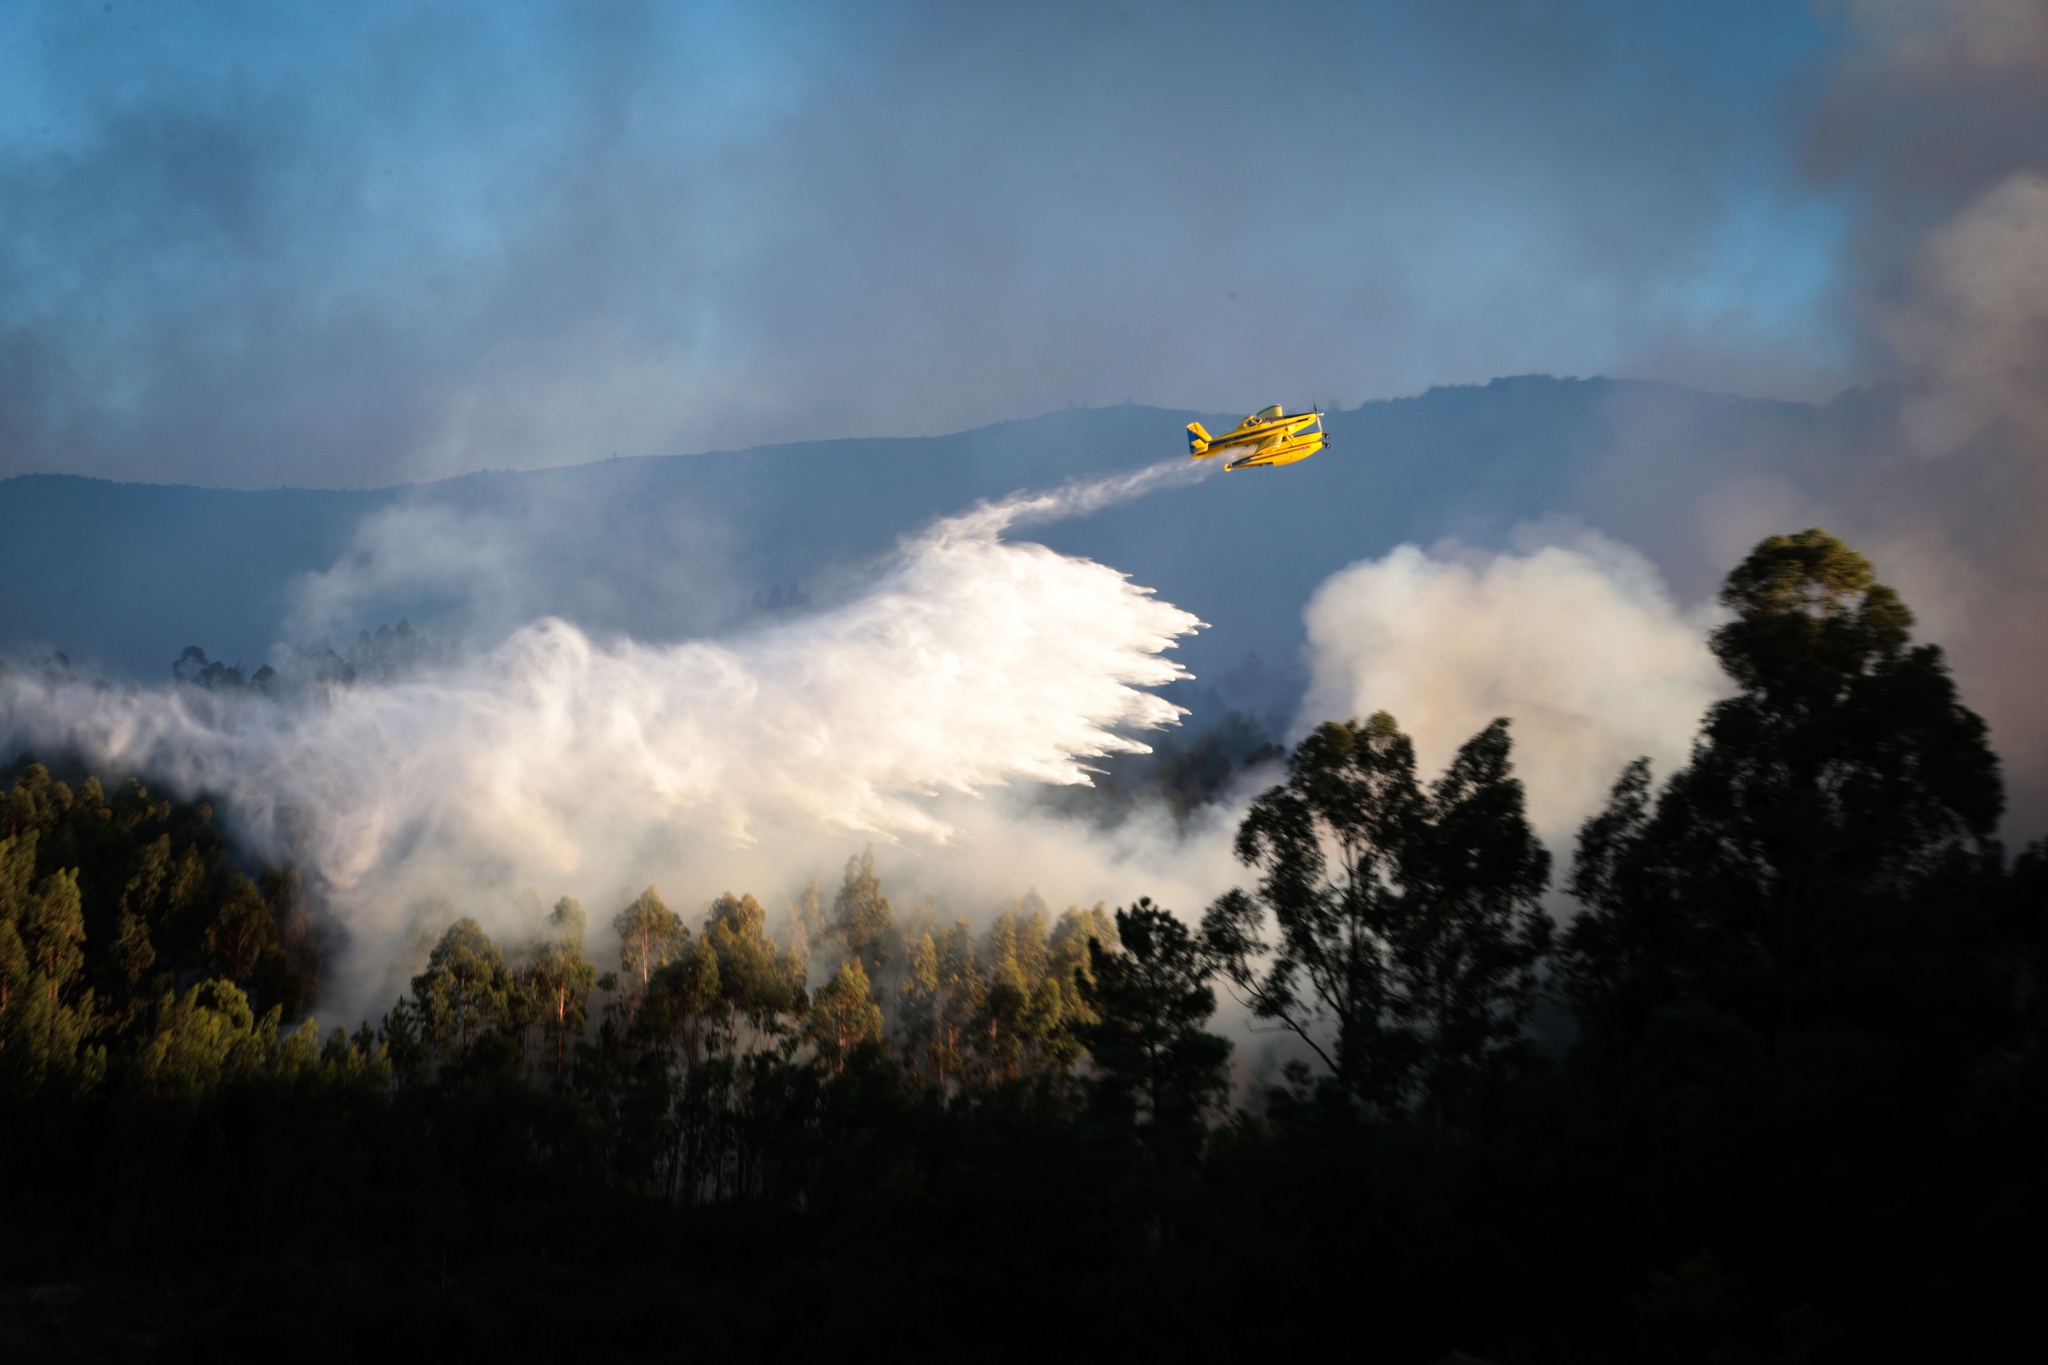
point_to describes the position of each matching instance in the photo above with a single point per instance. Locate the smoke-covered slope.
(122, 576)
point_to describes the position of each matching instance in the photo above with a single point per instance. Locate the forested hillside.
(1800, 1119)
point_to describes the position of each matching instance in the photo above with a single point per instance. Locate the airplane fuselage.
(1266, 440)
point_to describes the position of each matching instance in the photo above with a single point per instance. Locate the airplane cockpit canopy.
(1267, 414)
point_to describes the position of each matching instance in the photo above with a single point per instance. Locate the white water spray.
(553, 763)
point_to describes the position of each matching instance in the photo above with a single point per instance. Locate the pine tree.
(16, 979)
(1067, 959)
(133, 955)
(1157, 1073)
(1001, 1030)
(46, 1016)
(209, 1037)
(186, 915)
(52, 928)
(243, 939)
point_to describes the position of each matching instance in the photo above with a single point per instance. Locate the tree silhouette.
(1157, 1073)
(1828, 853)
(1408, 924)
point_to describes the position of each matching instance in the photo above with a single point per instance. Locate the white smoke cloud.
(1580, 644)
(553, 763)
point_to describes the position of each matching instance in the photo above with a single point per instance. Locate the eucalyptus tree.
(843, 1016)
(863, 920)
(1406, 920)
(465, 1010)
(649, 935)
(560, 978)
(1829, 852)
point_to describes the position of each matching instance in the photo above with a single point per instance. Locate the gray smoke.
(1940, 118)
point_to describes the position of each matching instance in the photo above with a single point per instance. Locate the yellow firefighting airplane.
(1268, 437)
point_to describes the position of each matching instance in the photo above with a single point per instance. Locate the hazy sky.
(253, 244)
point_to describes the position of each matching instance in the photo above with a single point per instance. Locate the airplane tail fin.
(1198, 440)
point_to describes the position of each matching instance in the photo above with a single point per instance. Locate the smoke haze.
(1937, 117)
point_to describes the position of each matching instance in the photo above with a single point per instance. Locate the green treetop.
(843, 1015)
(761, 985)
(920, 1001)
(464, 1007)
(649, 935)
(862, 918)
(559, 978)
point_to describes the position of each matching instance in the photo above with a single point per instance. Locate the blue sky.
(252, 244)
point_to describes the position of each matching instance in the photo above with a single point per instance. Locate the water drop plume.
(557, 763)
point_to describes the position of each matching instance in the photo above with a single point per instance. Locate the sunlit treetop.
(1807, 609)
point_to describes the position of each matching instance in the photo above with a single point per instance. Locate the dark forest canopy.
(1800, 1114)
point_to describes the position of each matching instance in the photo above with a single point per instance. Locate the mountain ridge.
(121, 576)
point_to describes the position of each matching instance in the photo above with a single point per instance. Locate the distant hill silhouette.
(122, 577)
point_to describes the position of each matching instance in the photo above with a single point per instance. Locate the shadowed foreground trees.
(1801, 1117)
(1408, 928)
(1828, 855)
(1157, 1072)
